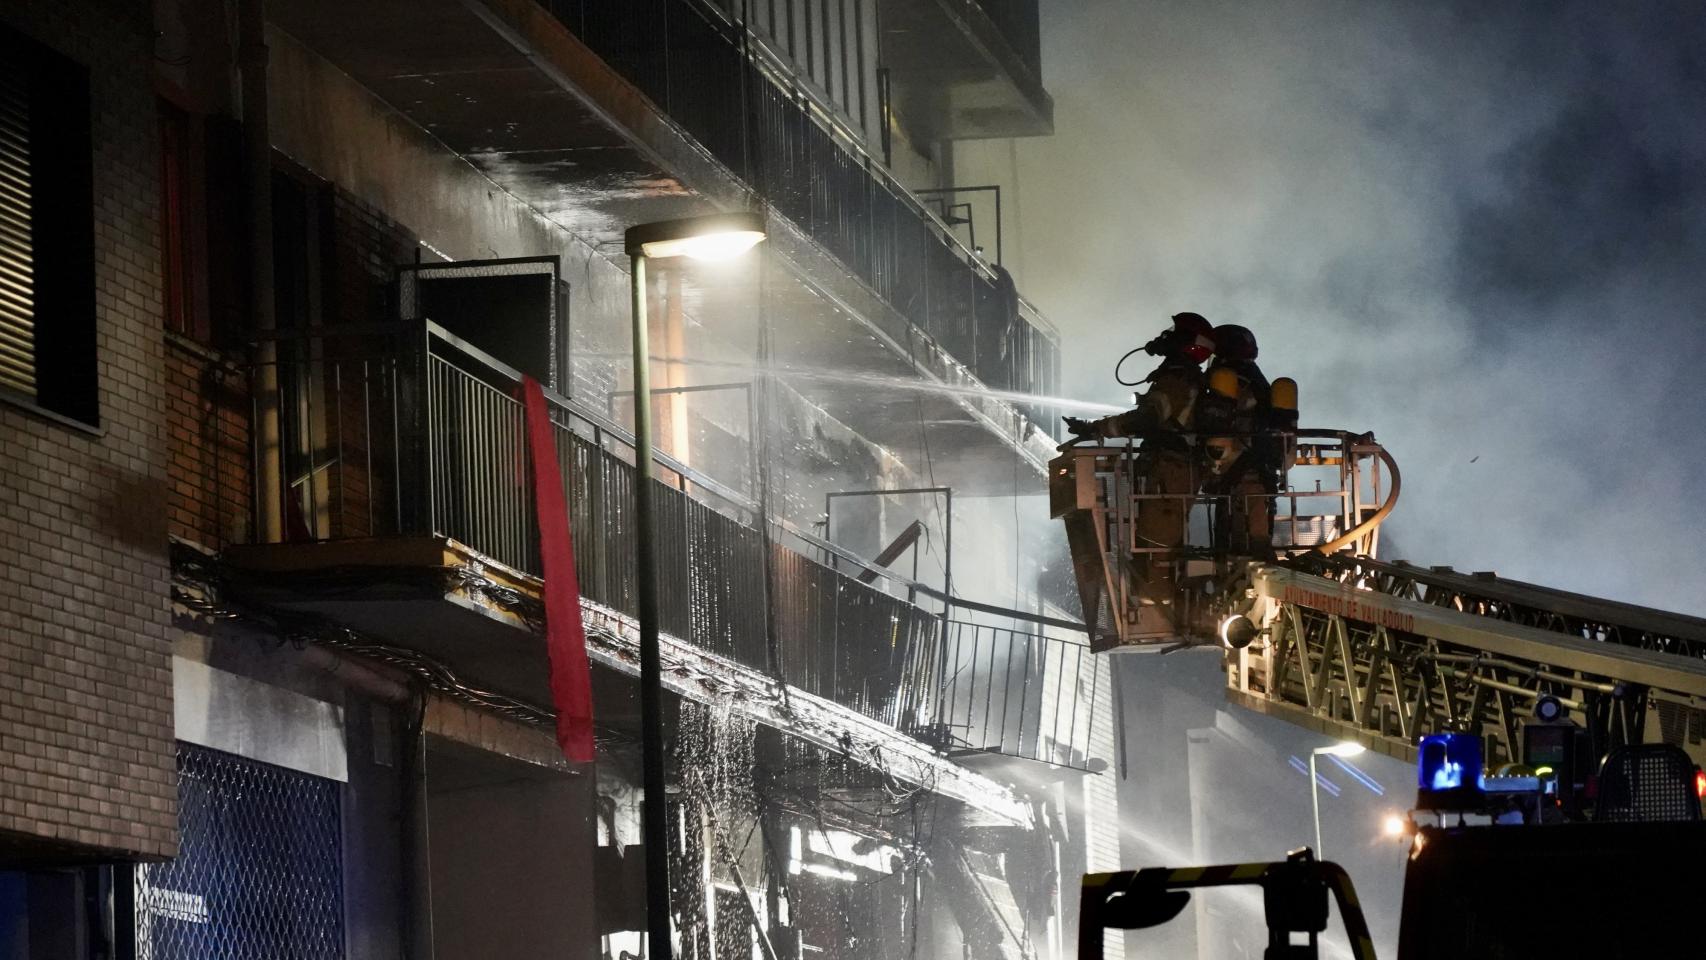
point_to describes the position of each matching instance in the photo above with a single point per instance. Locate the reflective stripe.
(1098, 879)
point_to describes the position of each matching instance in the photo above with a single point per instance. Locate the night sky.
(1478, 230)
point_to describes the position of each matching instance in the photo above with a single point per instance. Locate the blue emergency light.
(1449, 775)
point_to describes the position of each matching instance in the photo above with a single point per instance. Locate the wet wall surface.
(1205, 782)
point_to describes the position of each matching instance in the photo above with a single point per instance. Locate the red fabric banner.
(565, 633)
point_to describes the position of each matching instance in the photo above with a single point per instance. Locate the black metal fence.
(427, 436)
(433, 441)
(690, 61)
(836, 637)
(259, 871)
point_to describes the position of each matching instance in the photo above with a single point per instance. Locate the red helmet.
(1196, 338)
(1232, 342)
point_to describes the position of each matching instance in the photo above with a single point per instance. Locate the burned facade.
(273, 673)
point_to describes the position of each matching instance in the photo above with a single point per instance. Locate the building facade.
(274, 678)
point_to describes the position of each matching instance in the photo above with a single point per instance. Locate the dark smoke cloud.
(1478, 230)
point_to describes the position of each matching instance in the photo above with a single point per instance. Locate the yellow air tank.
(1282, 396)
(1222, 451)
(1224, 382)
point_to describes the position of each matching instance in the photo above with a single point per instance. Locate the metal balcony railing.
(425, 436)
(1016, 693)
(750, 115)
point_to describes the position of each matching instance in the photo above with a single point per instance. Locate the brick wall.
(209, 407)
(209, 460)
(85, 660)
(366, 249)
(367, 246)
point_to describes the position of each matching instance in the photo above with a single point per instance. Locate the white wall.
(1205, 782)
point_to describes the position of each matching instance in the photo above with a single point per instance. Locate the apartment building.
(274, 682)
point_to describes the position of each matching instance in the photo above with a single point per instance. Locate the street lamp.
(1344, 748)
(716, 237)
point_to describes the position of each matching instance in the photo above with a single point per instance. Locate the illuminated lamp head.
(721, 236)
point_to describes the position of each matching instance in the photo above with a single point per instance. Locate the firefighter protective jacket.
(1168, 406)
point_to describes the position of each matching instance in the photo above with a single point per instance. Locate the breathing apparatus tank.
(1282, 400)
(1219, 409)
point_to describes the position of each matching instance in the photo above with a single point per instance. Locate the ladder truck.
(1580, 719)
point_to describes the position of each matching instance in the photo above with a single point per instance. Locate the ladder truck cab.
(1539, 859)
(1556, 854)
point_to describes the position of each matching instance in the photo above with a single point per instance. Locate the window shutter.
(17, 256)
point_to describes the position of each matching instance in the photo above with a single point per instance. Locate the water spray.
(823, 375)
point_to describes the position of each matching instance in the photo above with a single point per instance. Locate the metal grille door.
(259, 872)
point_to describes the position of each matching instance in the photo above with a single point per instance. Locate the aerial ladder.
(1394, 656)
(1327, 635)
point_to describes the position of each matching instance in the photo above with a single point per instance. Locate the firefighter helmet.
(1232, 342)
(1196, 335)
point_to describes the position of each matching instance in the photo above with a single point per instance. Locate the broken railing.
(1018, 693)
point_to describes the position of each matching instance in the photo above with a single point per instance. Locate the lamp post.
(715, 237)
(1344, 748)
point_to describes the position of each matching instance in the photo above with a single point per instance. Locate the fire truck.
(1557, 737)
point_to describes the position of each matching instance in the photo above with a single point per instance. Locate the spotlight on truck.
(1237, 630)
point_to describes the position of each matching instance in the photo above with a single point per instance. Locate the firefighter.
(1166, 460)
(1244, 467)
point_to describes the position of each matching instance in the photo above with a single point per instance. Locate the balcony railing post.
(598, 517)
(410, 405)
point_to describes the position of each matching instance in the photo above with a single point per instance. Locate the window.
(47, 293)
(204, 241)
(56, 912)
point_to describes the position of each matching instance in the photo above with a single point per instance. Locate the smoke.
(1476, 230)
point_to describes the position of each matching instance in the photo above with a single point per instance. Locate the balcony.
(409, 500)
(966, 69)
(688, 60)
(601, 114)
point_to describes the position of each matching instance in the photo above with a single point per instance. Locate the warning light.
(1699, 782)
(1448, 772)
(1395, 826)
